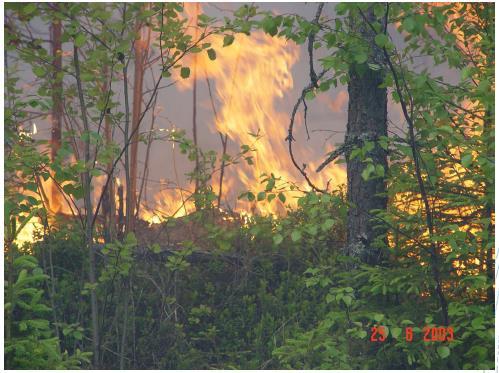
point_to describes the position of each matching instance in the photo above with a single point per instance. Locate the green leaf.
(406, 322)
(380, 170)
(270, 25)
(386, 330)
(327, 225)
(282, 197)
(39, 71)
(212, 54)
(383, 142)
(396, 332)
(366, 173)
(347, 299)
(379, 10)
(341, 8)
(147, 13)
(30, 8)
(466, 160)
(310, 95)
(295, 235)
(362, 334)
(360, 58)
(466, 73)
(477, 323)
(312, 230)
(23, 326)
(228, 40)
(80, 40)
(277, 238)
(408, 24)
(443, 351)
(381, 40)
(260, 196)
(185, 72)
(378, 317)
(270, 185)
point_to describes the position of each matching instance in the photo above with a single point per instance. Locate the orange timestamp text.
(429, 334)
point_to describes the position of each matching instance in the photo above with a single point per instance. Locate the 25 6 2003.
(428, 334)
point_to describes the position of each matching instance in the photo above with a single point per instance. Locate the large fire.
(249, 77)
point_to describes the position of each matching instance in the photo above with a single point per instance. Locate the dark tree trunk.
(367, 121)
(488, 129)
(108, 198)
(87, 200)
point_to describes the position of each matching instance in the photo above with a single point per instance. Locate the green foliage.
(118, 258)
(32, 344)
(455, 150)
(263, 292)
(185, 72)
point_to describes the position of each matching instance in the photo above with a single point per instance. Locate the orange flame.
(250, 77)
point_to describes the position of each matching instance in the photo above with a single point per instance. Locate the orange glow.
(250, 77)
(458, 218)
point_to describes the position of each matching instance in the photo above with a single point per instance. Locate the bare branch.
(311, 40)
(314, 78)
(290, 137)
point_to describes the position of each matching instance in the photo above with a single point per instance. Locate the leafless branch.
(311, 40)
(313, 84)
(290, 137)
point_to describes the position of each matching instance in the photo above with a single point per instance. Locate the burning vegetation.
(171, 201)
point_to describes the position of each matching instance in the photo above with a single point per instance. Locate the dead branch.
(313, 84)
(311, 40)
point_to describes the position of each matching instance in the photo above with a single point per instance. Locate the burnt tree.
(367, 121)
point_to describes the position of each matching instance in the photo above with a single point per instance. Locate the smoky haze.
(327, 115)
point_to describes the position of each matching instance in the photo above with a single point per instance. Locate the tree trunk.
(108, 201)
(197, 183)
(56, 115)
(125, 329)
(140, 46)
(87, 200)
(488, 128)
(121, 212)
(367, 121)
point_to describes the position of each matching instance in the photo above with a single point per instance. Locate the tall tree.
(87, 199)
(194, 112)
(367, 121)
(141, 46)
(108, 201)
(56, 113)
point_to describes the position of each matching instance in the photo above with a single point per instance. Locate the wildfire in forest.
(249, 77)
